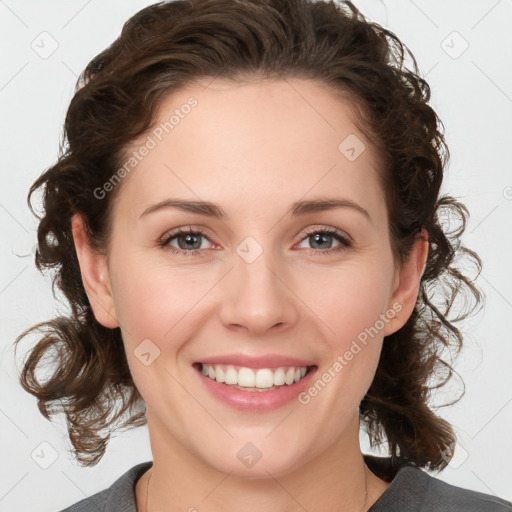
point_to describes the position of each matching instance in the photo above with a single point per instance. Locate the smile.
(252, 379)
(255, 383)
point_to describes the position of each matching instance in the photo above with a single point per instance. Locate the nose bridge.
(257, 296)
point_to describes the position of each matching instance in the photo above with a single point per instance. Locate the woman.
(245, 222)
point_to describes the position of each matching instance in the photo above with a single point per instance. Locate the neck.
(336, 480)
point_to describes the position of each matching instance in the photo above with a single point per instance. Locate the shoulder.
(441, 495)
(119, 497)
(414, 489)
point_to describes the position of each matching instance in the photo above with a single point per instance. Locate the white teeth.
(231, 377)
(245, 378)
(262, 378)
(219, 375)
(279, 377)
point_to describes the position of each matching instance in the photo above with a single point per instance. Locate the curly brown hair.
(167, 46)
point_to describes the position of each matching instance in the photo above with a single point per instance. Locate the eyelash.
(345, 243)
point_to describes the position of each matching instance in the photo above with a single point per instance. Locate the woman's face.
(262, 294)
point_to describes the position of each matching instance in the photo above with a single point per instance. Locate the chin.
(256, 459)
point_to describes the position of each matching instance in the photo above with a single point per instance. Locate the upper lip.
(266, 361)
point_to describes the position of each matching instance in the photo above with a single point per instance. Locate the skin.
(254, 149)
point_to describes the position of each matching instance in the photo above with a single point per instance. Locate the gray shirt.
(411, 489)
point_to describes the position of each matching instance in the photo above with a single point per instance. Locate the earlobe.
(95, 275)
(408, 279)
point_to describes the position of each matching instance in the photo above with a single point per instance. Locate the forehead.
(253, 143)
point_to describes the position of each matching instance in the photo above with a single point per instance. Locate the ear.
(95, 275)
(406, 284)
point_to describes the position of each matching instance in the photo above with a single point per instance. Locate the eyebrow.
(214, 210)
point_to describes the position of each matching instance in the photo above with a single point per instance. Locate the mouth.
(254, 379)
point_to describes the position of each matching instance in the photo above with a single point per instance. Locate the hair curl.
(170, 44)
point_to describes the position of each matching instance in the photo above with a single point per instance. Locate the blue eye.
(186, 239)
(189, 241)
(319, 236)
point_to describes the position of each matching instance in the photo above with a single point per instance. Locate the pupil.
(189, 238)
(318, 238)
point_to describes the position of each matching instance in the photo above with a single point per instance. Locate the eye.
(324, 237)
(188, 241)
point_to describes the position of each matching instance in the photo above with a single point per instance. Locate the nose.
(257, 297)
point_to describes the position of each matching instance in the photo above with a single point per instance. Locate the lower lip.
(257, 400)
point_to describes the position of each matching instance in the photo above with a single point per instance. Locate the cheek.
(351, 348)
(155, 302)
(351, 303)
(159, 314)
(350, 299)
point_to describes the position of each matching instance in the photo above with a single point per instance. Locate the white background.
(472, 92)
